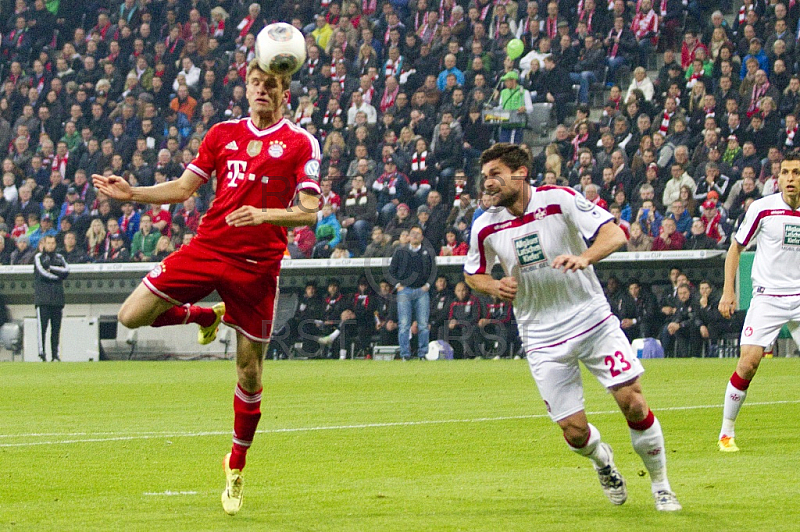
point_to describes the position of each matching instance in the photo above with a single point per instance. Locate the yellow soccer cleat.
(234, 488)
(206, 335)
(727, 445)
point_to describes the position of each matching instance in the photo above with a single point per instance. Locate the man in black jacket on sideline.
(50, 270)
(412, 270)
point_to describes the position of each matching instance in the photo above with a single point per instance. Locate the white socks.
(592, 449)
(649, 445)
(734, 398)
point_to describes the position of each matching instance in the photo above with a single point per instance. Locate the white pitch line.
(168, 493)
(150, 436)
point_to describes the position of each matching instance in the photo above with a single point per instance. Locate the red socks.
(179, 315)
(644, 424)
(247, 412)
(739, 383)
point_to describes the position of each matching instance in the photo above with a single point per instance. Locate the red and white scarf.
(551, 27)
(665, 120)
(615, 47)
(312, 66)
(576, 144)
(790, 133)
(418, 164)
(356, 197)
(388, 98)
(60, 164)
(368, 94)
(757, 94)
(645, 23)
(326, 118)
(368, 7)
(392, 68)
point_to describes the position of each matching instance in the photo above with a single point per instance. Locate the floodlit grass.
(380, 446)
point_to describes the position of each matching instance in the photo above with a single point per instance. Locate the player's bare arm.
(727, 303)
(305, 213)
(175, 191)
(505, 288)
(609, 239)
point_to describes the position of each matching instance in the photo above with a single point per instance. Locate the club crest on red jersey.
(276, 148)
(254, 147)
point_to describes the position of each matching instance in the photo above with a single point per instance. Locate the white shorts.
(765, 317)
(604, 350)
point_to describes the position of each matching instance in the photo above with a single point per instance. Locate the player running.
(563, 317)
(261, 163)
(774, 223)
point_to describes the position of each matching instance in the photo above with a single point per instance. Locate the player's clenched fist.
(506, 288)
(112, 186)
(727, 305)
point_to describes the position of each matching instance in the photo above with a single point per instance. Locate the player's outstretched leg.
(648, 442)
(735, 394)
(247, 413)
(584, 439)
(143, 308)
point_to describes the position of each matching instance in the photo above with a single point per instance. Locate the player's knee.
(635, 407)
(575, 433)
(127, 318)
(748, 363)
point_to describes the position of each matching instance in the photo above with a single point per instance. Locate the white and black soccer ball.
(280, 49)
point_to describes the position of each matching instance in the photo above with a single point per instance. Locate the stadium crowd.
(696, 115)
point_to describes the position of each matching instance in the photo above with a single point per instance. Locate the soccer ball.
(280, 49)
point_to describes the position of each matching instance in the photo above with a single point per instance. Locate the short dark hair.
(511, 155)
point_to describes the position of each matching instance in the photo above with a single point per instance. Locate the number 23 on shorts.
(617, 364)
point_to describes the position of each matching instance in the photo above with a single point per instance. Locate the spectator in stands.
(448, 157)
(679, 178)
(95, 239)
(328, 233)
(163, 249)
(698, 239)
(441, 296)
(681, 337)
(620, 46)
(359, 213)
(328, 197)
(402, 221)
(190, 214)
(649, 219)
(647, 320)
(462, 322)
(379, 246)
(72, 253)
(6, 248)
(24, 253)
(116, 252)
(680, 214)
(45, 229)
(391, 188)
(453, 246)
(422, 175)
(129, 221)
(589, 67)
(744, 189)
(143, 244)
(385, 312)
(670, 239)
(712, 218)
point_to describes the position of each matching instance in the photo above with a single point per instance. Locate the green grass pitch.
(380, 446)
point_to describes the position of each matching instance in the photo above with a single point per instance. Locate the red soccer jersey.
(263, 168)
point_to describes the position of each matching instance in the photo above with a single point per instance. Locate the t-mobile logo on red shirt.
(237, 170)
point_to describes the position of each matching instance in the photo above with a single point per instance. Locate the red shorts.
(250, 296)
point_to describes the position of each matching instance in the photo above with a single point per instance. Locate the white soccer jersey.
(776, 228)
(550, 305)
